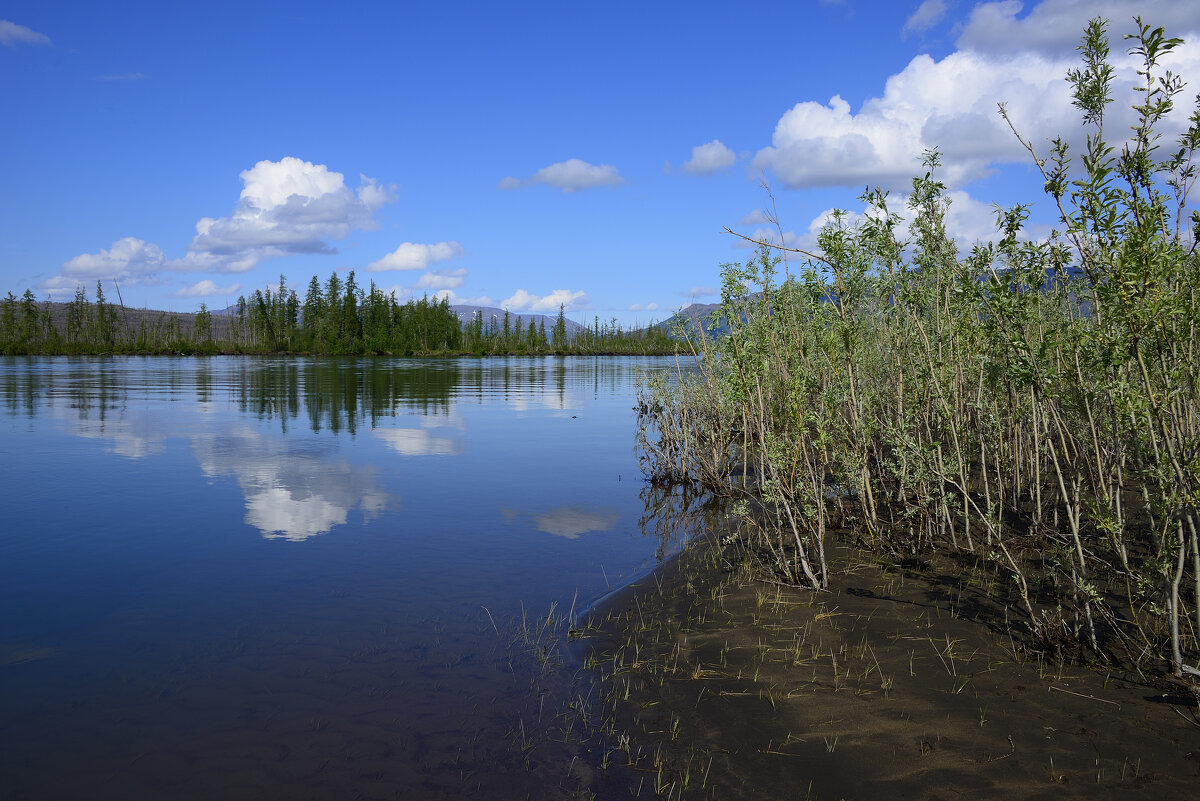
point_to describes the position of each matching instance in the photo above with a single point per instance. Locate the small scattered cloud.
(756, 217)
(124, 76)
(455, 300)
(523, 301)
(58, 286)
(286, 207)
(572, 175)
(129, 260)
(417, 256)
(643, 307)
(206, 289)
(441, 279)
(701, 292)
(12, 34)
(928, 14)
(709, 158)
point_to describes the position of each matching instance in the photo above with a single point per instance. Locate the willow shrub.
(1030, 405)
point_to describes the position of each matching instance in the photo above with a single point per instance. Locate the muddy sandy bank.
(900, 682)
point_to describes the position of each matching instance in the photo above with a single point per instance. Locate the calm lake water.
(267, 578)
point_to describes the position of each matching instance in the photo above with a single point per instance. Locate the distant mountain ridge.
(695, 316)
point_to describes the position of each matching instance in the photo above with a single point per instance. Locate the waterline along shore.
(900, 681)
(962, 486)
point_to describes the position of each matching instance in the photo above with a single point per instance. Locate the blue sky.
(523, 156)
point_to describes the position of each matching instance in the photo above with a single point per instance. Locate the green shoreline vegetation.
(337, 318)
(946, 480)
(1031, 406)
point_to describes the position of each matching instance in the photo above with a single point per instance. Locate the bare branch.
(774, 246)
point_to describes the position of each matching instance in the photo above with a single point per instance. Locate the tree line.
(337, 317)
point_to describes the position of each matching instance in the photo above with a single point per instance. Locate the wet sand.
(900, 682)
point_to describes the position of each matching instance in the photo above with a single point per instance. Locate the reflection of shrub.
(1030, 404)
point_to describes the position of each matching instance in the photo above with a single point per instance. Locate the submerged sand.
(900, 682)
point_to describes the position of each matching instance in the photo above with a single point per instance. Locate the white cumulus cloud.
(523, 301)
(709, 158)
(416, 256)
(128, 260)
(12, 34)
(701, 292)
(571, 175)
(286, 207)
(643, 307)
(951, 104)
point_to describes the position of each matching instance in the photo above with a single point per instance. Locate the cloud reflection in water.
(129, 434)
(570, 521)
(292, 491)
(418, 442)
